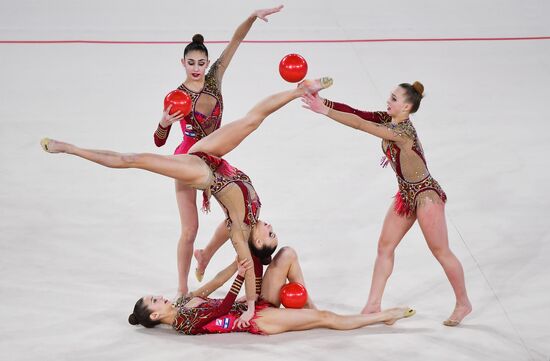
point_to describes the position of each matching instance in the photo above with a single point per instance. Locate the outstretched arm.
(229, 299)
(215, 283)
(377, 117)
(240, 243)
(239, 35)
(316, 104)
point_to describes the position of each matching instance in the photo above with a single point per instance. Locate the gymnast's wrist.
(163, 125)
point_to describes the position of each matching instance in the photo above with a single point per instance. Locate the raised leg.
(229, 136)
(277, 320)
(188, 169)
(203, 256)
(393, 231)
(284, 266)
(431, 218)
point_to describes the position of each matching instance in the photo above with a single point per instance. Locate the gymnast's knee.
(188, 234)
(254, 119)
(287, 253)
(328, 318)
(385, 249)
(440, 251)
(130, 160)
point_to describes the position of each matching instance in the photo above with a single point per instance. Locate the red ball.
(293, 68)
(180, 101)
(293, 295)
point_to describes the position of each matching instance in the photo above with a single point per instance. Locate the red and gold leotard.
(232, 189)
(416, 185)
(217, 315)
(205, 116)
(191, 321)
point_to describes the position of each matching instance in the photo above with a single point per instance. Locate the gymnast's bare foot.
(53, 146)
(202, 263)
(375, 308)
(460, 311)
(312, 86)
(398, 313)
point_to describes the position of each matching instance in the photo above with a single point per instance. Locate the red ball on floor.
(293, 295)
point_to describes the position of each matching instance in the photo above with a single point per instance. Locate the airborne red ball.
(293, 295)
(180, 101)
(293, 68)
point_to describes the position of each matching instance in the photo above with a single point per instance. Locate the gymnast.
(205, 90)
(203, 168)
(419, 196)
(196, 314)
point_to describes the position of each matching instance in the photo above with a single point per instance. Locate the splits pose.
(419, 197)
(205, 117)
(204, 169)
(197, 314)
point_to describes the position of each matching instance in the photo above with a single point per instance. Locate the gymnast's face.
(195, 64)
(264, 235)
(397, 103)
(157, 304)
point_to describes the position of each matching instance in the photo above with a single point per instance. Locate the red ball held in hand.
(179, 100)
(293, 295)
(293, 68)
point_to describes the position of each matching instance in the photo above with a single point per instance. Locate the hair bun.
(198, 38)
(418, 87)
(132, 319)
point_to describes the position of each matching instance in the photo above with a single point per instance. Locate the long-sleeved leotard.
(416, 185)
(206, 111)
(218, 315)
(191, 321)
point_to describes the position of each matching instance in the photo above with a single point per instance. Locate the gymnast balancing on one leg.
(197, 314)
(204, 89)
(203, 169)
(420, 197)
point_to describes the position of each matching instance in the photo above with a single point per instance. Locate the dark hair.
(141, 316)
(414, 93)
(264, 253)
(196, 45)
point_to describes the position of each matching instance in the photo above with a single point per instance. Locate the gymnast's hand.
(244, 320)
(244, 266)
(314, 103)
(264, 13)
(168, 119)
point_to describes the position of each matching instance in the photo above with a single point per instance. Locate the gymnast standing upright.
(204, 89)
(419, 196)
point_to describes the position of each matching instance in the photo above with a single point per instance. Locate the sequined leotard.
(219, 315)
(416, 185)
(206, 112)
(233, 190)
